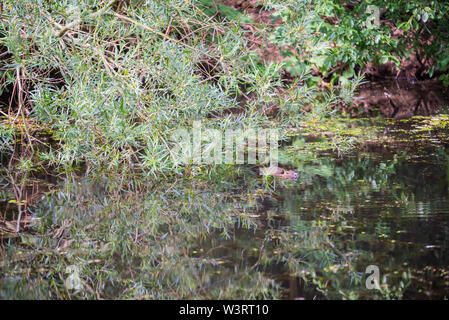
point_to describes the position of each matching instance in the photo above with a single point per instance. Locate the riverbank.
(93, 205)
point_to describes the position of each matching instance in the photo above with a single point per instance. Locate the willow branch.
(78, 21)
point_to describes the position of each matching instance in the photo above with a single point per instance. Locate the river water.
(384, 206)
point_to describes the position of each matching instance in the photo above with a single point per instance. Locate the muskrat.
(280, 173)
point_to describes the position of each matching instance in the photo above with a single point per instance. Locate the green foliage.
(128, 83)
(213, 8)
(337, 38)
(6, 142)
(131, 78)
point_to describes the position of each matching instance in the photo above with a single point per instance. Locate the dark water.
(390, 213)
(307, 239)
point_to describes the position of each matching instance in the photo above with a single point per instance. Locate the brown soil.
(402, 99)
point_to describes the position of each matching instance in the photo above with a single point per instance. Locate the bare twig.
(260, 254)
(163, 35)
(21, 107)
(78, 21)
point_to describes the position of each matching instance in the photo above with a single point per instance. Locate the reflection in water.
(147, 241)
(389, 213)
(311, 239)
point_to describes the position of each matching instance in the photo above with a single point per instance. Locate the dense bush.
(130, 75)
(337, 37)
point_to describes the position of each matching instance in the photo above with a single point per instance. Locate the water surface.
(244, 236)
